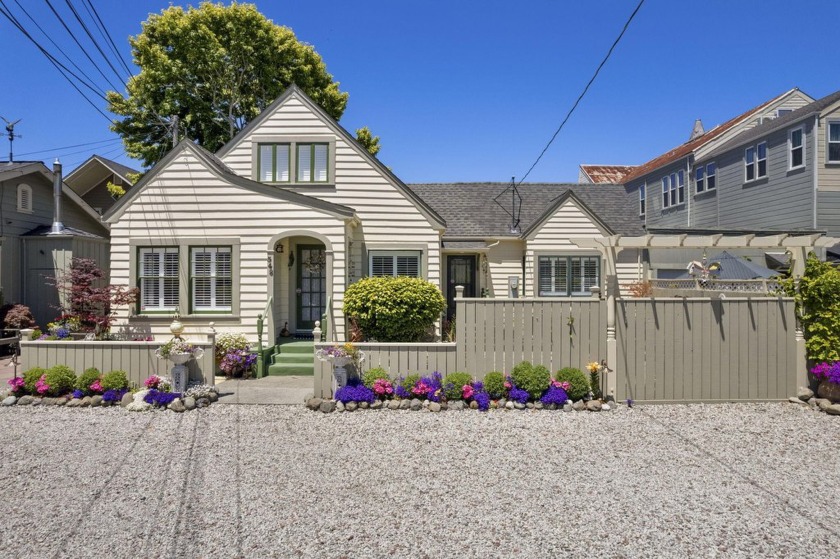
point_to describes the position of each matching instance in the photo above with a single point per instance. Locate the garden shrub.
(818, 302)
(534, 380)
(404, 385)
(61, 380)
(371, 376)
(494, 384)
(115, 380)
(17, 316)
(394, 309)
(229, 342)
(88, 377)
(453, 385)
(30, 377)
(579, 385)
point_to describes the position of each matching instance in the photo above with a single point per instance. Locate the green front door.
(312, 285)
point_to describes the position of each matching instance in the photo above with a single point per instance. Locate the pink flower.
(420, 389)
(96, 386)
(151, 382)
(508, 385)
(565, 385)
(16, 383)
(467, 391)
(41, 387)
(382, 387)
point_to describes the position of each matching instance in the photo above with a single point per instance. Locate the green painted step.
(293, 358)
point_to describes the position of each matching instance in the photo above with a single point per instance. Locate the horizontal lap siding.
(672, 350)
(503, 260)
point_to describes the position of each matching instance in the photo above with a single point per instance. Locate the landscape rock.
(529, 405)
(538, 405)
(213, 396)
(519, 405)
(25, 400)
(796, 400)
(579, 405)
(9, 401)
(189, 403)
(60, 401)
(833, 409)
(593, 405)
(434, 407)
(502, 402)
(804, 393)
(36, 401)
(606, 407)
(829, 390)
(177, 406)
(405, 405)
(127, 398)
(85, 402)
(327, 406)
(95, 400)
(456, 405)
(364, 405)
(416, 405)
(822, 403)
(202, 402)
(74, 403)
(395, 404)
(473, 405)
(351, 406)
(509, 405)
(377, 405)
(313, 403)
(340, 407)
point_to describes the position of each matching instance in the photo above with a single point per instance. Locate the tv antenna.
(515, 210)
(10, 130)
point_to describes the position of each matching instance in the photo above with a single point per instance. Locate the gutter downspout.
(57, 226)
(687, 187)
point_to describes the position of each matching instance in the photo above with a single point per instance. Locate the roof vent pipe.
(57, 226)
(697, 130)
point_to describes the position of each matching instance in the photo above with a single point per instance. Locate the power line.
(93, 39)
(70, 147)
(79, 44)
(585, 89)
(104, 31)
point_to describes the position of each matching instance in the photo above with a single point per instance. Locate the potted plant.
(179, 352)
(341, 356)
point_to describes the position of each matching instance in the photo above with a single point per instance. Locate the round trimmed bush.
(30, 377)
(371, 376)
(88, 377)
(577, 379)
(394, 309)
(494, 384)
(115, 380)
(409, 381)
(61, 379)
(453, 384)
(534, 380)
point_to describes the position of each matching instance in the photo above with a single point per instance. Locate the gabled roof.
(100, 167)
(470, 211)
(606, 174)
(217, 167)
(690, 146)
(779, 123)
(294, 90)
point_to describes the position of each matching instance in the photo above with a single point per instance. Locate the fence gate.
(705, 349)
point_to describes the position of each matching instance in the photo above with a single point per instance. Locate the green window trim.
(156, 285)
(221, 280)
(288, 169)
(312, 170)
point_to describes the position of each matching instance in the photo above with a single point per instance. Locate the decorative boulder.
(189, 403)
(593, 405)
(313, 403)
(25, 400)
(804, 393)
(327, 406)
(829, 390)
(95, 401)
(127, 398)
(9, 401)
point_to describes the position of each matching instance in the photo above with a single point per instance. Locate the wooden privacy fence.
(710, 350)
(137, 359)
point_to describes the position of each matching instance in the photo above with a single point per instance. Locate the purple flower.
(62, 333)
(518, 395)
(355, 391)
(401, 392)
(113, 396)
(160, 399)
(78, 394)
(554, 395)
(482, 399)
(827, 371)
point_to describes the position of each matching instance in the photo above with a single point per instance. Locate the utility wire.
(62, 69)
(104, 31)
(90, 82)
(585, 89)
(48, 150)
(79, 44)
(93, 40)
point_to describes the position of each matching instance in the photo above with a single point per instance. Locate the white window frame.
(584, 290)
(681, 187)
(395, 255)
(217, 280)
(711, 175)
(666, 191)
(759, 160)
(829, 142)
(791, 148)
(24, 199)
(161, 278)
(642, 199)
(749, 165)
(700, 179)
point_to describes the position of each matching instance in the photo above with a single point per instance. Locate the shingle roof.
(606, 174)
(122, 170)
(44, 231)
(691, 145)
(779, 123)
(469, 209)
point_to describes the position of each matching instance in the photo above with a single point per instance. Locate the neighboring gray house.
(90, 179)
(783, 174)
(29, 254)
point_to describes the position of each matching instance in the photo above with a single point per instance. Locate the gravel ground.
(747, 480)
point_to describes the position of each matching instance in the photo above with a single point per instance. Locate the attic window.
(24, 198)
(295, 160)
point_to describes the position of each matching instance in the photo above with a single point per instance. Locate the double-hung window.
(755, 162)
(563, 276)
(158, 279)
(749, 164)
(642, 199)
(700, 179)
(312, 162)
(711, 176)
(211, 282)
(833, 144)
(395, 263)
(796, 145)
(680, 186)
(761, 160)
(673, 189)
(666, 192)
(274, 162)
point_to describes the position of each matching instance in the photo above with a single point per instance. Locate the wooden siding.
(137, 359)
(828, 174)
(388, 216)
(504, 260)
(655, 214)
(629, 269)
(828, 212)
(10, 269)
(709, 350)
(187, 201)
(496, 334)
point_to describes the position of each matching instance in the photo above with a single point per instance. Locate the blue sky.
(472, 91)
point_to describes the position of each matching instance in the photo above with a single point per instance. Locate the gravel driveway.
(750, 480)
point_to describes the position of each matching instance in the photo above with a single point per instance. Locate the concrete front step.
(285, 369)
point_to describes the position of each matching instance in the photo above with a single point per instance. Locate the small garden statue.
(179, 352)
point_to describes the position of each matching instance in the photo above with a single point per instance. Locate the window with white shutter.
(211, 281)
(562, 276)
(313, 162)
(158, 269)
(399, 263)
(273, 162)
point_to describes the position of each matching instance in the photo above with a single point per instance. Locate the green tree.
(368, 140)
(215, 68)
(818, 303)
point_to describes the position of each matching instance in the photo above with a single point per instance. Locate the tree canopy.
(214, 68)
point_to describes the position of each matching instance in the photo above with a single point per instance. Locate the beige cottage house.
(292, 210)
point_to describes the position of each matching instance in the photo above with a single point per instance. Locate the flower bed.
(527, 387)
(59, 385)
(827, 398)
